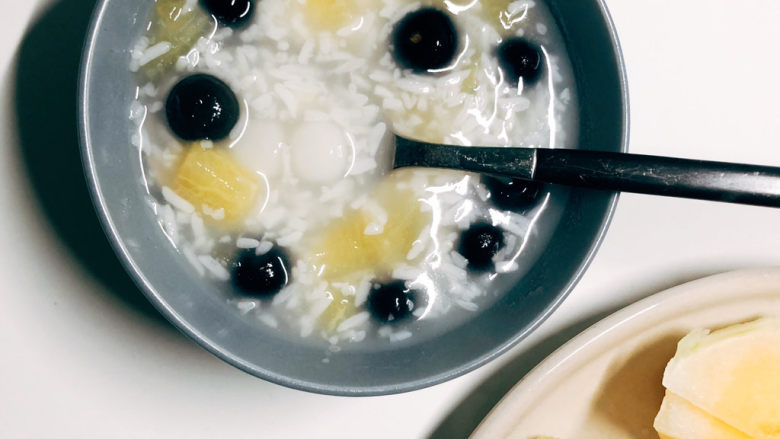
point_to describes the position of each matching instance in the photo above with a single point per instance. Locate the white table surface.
(82, 356)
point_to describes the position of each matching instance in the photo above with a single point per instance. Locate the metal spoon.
(645, 174)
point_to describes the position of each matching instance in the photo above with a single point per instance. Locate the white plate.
(606, 382)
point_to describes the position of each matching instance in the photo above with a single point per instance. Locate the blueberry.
(201, 107)
(512, 194)
(520, 59)
(424, 40)
(232, 13)
(261, 275)
(392, 301)
(479, 244)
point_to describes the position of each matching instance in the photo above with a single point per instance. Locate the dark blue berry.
(232, 13)
(201, 107)
(392, 301)
(479, 244)
(261, 275)
(512, 194)
(520, 59)
(425, 40)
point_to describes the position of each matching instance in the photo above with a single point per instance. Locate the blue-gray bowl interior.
(192, 305)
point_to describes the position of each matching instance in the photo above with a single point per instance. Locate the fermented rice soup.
(264, 131)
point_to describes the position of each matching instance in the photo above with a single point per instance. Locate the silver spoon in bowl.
(645, 174)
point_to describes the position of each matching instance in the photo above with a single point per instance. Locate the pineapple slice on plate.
(733, 374)
(679, 419)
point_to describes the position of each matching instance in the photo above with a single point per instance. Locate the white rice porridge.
(300, 186)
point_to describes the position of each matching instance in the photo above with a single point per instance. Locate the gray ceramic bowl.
(192, 306)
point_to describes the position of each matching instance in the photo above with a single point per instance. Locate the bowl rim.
(112, 234)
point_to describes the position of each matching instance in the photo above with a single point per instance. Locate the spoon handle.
(674, 177)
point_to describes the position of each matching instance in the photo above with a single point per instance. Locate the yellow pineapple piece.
(436, 125)
(358, 242)
(679, 419)
(332, 15)
(329, 14)
(732, 374)
(340, 309)
(180, 27)
(498, 13)
(214, 182)
(471, 82)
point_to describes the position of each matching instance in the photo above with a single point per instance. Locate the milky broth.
(304, 174)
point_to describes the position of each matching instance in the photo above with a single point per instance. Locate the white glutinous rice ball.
(321, 152)
(260, 148)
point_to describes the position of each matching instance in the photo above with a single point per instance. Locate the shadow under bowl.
(189, 303)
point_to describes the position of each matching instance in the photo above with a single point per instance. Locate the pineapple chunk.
(499, 13)
(178, 26)
(360, 242)
(436, 126)
(496, 12)
(471, 82)
(329, 14)
(340, 309)
(732, 374)
(679, 419)
(332, 15)
(212, 181)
